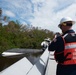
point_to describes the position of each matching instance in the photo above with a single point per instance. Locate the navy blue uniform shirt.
(58, 45)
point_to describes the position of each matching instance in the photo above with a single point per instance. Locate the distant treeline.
(15, 35)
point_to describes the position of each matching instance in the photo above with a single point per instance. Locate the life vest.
(68, 55)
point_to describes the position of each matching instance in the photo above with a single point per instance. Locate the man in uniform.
(65, 48)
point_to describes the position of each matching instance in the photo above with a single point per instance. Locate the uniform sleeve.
(56, 45)
(52, 46)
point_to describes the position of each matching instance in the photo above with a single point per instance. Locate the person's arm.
(52, 46)
(57, 44)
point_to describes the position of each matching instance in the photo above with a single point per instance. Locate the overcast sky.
(40, 13)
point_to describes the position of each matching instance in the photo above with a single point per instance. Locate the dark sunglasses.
(65, 24)
(68, 23)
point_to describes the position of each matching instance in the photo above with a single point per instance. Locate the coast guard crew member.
(65, 48)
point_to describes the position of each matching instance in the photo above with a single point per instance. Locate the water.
(8, 61)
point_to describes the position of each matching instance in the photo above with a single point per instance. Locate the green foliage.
(15, 35)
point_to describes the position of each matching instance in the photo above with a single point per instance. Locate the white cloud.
(36, 1)
(41, 13)
(47, 18)
(44, 17)
(9, 13)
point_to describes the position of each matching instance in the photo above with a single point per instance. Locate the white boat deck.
(51, 66)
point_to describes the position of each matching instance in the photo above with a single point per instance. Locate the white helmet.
(65, 19)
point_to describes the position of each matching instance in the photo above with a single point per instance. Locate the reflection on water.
(7, 61)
